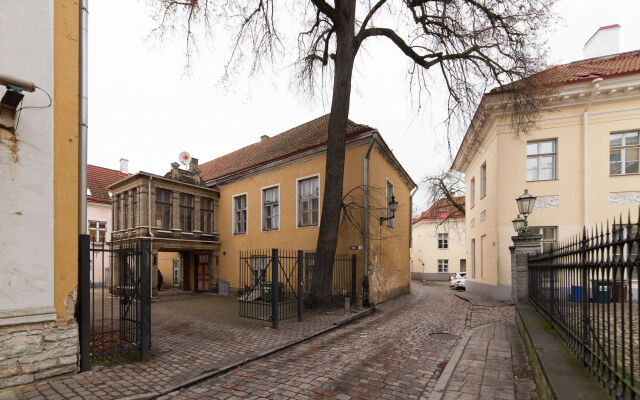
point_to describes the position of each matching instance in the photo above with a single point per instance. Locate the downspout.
(585, 152)
(414, 191)
(366, 204)
(149, 206)
(84, 118)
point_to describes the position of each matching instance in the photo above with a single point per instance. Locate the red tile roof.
(609, 66)
(98, 179)
(304, 137)
(440, 210)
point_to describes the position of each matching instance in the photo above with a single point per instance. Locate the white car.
(458, 280)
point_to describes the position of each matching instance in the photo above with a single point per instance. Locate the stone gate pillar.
(523, 246)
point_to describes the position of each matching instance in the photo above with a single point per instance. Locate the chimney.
(124, 165)
(193, 164)
(263, 137)
(605, 41)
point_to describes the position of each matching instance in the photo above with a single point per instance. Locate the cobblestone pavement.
(191, 335)
(399, 352)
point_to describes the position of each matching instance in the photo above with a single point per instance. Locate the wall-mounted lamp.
(12, 98)
(393, 206)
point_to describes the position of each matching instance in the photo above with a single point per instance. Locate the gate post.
(84, 301)
(523, 246)
(353, 279)
(274, 288)
(300, 288)
(145, 299)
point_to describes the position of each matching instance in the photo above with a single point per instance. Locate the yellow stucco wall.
(506, 179)
(425, 252)
(165, 265)
(290, 236)
(66, 72)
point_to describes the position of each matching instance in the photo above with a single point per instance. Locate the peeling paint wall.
(26, 165)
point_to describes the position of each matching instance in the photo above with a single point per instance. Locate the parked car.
(458, 280)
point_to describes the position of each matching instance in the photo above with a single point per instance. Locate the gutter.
(83, 116)
(374, 136)
(585, 152)
(414, 191)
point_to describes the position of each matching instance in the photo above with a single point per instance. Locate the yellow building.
(271, 197)
(39, 168)
(581, 160)
(437, 242)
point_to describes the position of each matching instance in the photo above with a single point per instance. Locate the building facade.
(39, 180)
(581, 160)
(438, 242)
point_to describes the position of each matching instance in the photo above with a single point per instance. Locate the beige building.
(438, 242)
(581, 160)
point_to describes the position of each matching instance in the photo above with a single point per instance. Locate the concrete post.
(523, 246)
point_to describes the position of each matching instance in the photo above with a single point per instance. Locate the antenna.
(184, 158)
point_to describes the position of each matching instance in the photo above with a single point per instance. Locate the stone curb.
(475, 303)
(230, 367)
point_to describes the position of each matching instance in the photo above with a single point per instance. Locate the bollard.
(347, 305)
(359, 302)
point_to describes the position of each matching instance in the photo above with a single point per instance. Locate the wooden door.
(202, 273)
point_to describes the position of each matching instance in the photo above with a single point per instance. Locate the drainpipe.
(84, 119)
(414, 191)
(366, 204)
(585, 151)
(149, 207)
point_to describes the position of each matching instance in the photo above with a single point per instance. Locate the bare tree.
(470, 44)
(447, 190)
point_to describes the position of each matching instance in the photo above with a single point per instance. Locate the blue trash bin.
(576, 293)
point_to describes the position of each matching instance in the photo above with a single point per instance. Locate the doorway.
(202, 273)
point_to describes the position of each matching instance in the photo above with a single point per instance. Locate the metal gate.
(115, 300)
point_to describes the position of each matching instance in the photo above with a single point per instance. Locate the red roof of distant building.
(442, 209)
(98, 180)
(304, 137)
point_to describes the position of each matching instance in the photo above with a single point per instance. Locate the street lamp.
(393, 206)
(526, 202)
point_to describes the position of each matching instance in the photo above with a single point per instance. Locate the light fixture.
(393, 206)
(526, 202)
(518, 224)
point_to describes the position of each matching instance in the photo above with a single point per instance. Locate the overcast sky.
(143, 106)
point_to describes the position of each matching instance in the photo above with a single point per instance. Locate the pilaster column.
(175, 211)
(523, 246)
(196, 214)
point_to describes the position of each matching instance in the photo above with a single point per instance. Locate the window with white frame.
(541, 160)
(240, 214)
(624, 151)
(98, 231)
(271, 208)
(390, 222)
(483, 180)
(308, 201)
(443, 265)
(549, 236)
(472, 192)
(176, 272)
(443, 240)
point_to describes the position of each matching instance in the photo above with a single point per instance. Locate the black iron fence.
(115, 300)
(276, 284)
(587, 288)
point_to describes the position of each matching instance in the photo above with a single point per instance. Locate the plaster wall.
(101, 268)
(26, 165)
(425, 252)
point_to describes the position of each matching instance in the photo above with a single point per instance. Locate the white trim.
(262, 189)
(317, 175)
(386, 202)
(233, 214)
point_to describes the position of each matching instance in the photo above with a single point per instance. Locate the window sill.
(239, 233)
(542, 180)
(629, 174)
(271, 230)
(188, 233)
(162, 231)
(307, 226)
(196, 231)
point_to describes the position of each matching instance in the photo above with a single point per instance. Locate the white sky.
(144, 107)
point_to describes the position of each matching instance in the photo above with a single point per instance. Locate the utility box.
(223, 288)
(601, 291)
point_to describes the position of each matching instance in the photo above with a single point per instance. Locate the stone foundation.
(35, 351)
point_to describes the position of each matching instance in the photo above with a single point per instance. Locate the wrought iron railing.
(587, 288)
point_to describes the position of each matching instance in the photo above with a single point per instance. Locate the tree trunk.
(334, 169)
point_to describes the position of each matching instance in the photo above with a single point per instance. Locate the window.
(240, 214)
(186, 212)
(624, 252)
(176, 272)
(163, 208)
(390, 222)
(541, 160)
(623, 153)
(483, 180)
(443, 265)
(549, 236)
(206, 215)
(134, 209)
(473, 258)
(125, 202)
(443, 240)
(116, 215)
(308, 201)
(271, 209)
(472, 192)
(97, 231)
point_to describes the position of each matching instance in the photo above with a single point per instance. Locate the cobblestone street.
(403, 350)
